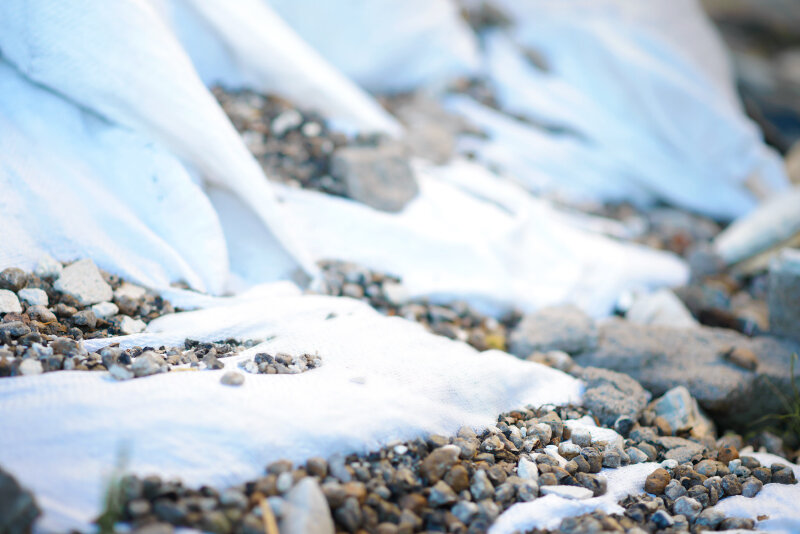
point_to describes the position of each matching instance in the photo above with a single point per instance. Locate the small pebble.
(232, 378)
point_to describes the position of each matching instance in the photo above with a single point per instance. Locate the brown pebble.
(742, 357)
(317, 467)
(663, 426)
(728, 453)
(657, 481)
(436, 464)
(457, 478)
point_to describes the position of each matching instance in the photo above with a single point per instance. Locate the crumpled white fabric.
(381, 379)
(469, 235)
(642, 100)
(387, 46)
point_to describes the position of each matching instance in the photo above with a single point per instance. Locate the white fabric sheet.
(381, 379)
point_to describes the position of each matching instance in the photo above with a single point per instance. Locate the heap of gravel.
(293, 146)
(280, 363)
(385, 293)
(44, 315)
(462, 483)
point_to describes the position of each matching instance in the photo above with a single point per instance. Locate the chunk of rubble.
(83, 281)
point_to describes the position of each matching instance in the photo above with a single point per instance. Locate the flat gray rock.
(378, 176)
(661, 358)
(83, 281)
(610, 395)
(564, 328)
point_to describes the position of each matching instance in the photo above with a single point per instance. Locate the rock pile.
(462, 483)
(280, 364)
(296, 147)
(386, 294)
(46, 313)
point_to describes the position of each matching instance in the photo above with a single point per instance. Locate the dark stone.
(18, 509)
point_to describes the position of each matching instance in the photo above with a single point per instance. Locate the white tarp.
(381, 379)
(642, 100)
(111, 147)
(469, 235)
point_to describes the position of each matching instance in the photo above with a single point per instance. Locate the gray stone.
(710, 518)
(465, 511)
(636, 455)
(83, 281)
(661, 358)
(148, 363)
(662, 519)
(13, 279)
(783, 296)
(306, 510)
(18, 509)
(682, 412)
(9, 303)
(379, 176)
(131, 291)
(232, 378)
(442, 495)
(41, 314)
(674, 490)
(598, 484)
(567, 492)
(14, 329)
(568, 450)
(481, 487)
(564, 328)
(688, 507)
(751, 487)
(610, 395)
(33, 296)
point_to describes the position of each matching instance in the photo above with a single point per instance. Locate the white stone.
(527, 470)
(284, 122)
(400, 450)
(33, 296)
(669, 464)
(9, 303)
(567, 492)
(661, 308)
(29, 366)
(396, 294)
(306, 510)
(120, 372)
(129, 290)
(104, 310)
(83, 281)
(47, 267)
(129, 325)
(284, 482)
